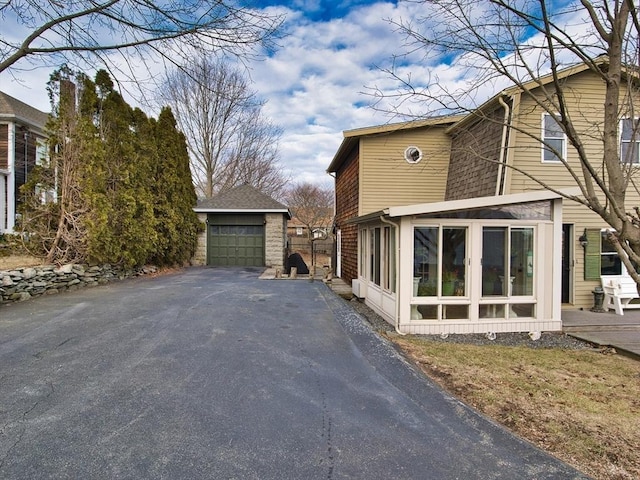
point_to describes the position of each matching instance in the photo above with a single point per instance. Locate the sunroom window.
(439, 261)
(363, 253)
(389, 259)
(507, 261)
(374, 252)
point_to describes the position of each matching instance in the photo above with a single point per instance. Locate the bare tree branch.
(229, 140)
(525, 47)
(311, 205)
(60, 32)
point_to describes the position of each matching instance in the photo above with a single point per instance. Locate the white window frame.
(375, 256)
(388, 256)
(363, 251)
(545, 137)
(409, 157)
(635, 139)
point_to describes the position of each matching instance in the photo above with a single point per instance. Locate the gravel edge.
(547, 339)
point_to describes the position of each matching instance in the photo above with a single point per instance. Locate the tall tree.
(230, 142)
(121, 184)
(500, 42)
(121, 217)
(175, 197)
(79, 31)
(54, 212)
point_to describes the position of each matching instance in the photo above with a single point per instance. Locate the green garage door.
(235, 240)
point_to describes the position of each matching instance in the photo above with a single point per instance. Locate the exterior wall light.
(583, 239)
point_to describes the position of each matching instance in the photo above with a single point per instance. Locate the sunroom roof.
(466, 204)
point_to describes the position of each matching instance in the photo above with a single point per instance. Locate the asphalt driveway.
(213, 373)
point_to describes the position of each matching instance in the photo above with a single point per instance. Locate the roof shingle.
(244, 197)
(13, 109)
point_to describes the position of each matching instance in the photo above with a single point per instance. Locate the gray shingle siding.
(475, 153)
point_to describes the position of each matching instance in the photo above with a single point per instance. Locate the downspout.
(334, 227)
(397, 235)
(503, 146)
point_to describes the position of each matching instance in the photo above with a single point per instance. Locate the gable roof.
(352, 137)
(526, 86)
(14, 110)
(242, 199)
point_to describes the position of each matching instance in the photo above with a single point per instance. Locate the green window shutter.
(592, 255)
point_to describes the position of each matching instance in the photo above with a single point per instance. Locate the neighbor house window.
(41, 153)
(629, 139)
(319, 233)
(299, 231)
(554, 148)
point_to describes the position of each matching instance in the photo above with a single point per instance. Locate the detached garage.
(244, 227)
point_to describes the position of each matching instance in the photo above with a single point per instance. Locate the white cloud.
(314, 83)
(28, 86)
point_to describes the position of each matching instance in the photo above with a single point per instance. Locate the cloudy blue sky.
(316, 82)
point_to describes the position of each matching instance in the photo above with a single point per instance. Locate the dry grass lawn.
(16, 261)
(581, 406)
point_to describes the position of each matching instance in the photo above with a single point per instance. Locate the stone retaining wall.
(26, 282)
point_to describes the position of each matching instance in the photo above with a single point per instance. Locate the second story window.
(629, 140)
(554, 148)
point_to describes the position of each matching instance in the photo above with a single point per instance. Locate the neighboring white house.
(21, 146)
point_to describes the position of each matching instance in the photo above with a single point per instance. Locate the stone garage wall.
(23, 283)
(275, 239)
(200, 255)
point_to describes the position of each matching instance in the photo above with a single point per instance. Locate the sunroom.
(480, 265)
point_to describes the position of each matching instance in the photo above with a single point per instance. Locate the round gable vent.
(413, 154)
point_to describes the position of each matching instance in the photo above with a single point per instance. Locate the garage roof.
(242, 199)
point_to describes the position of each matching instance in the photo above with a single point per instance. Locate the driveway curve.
(213, 373)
